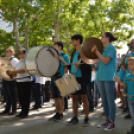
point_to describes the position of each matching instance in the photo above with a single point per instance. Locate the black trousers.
(24, 94)
(37, 89)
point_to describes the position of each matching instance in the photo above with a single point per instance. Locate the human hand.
(94, 49)
(77, 65)
(59, 58)
(116, 79)
(66, 70)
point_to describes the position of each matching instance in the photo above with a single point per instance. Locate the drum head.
(47, 61)
(87, 46)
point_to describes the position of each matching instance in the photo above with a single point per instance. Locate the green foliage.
(40, 18)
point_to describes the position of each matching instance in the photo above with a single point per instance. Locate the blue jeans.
(107, 95)
(96, 92)
(9, 88)
(131, 109)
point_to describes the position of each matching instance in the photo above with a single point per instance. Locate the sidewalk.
(37, 123)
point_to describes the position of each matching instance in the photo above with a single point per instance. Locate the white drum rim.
(35, 59)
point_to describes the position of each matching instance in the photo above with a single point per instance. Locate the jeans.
(131, 109)
(96, 92)
(106, 89)
(9, 88)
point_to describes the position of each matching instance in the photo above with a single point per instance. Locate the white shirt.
(42, 80)
(38, 80)
(22, 76)
(14, 61)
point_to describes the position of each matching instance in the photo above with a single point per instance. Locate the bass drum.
(41, 61)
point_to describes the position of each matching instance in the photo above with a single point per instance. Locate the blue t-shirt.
(74, 70)
(122, 74)
(130, 86)
(66, 59)
(107, 72)
(132, 55)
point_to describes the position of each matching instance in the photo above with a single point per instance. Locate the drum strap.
(11, 58)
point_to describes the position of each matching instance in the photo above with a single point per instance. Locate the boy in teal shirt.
(129, 86)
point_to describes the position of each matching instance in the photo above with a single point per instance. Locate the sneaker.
(128, 116)
(23, 116)
(59, 118)
(12, 113)
(104, 124)
(86, 122)
(73, 121)
(54, 117)
(110, 127)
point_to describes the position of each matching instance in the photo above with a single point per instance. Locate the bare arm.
(105, 60)
(9, 72)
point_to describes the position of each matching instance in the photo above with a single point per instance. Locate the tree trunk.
(27, 35)
(56, 27)
(16, 34)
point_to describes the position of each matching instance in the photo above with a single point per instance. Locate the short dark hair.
(59, 44)
(77, 36)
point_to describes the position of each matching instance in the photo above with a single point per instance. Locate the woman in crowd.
(106, 84)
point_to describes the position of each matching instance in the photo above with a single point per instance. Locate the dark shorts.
(55, 91)
(83, 90)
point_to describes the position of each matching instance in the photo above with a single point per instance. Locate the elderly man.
(9, 87)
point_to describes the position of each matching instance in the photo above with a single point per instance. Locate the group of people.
(106, 76)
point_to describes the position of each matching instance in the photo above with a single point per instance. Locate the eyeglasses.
(9, 51)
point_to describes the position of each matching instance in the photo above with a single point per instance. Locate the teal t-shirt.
(122, 74)
(66, 59)
(130, 86)
(107, 72)
(74, 70)
(128, 71)
(96, 74)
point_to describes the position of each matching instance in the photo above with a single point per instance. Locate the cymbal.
(5, 65)
(87, 60)
(4, 61)
(87, 46)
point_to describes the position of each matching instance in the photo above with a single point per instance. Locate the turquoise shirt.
(96, 74)
(66, 59)
(130, 86)
(107, 72)
(122, 74)
(74, 70)
(132, 54)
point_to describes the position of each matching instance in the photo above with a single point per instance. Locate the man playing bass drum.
(59, 101)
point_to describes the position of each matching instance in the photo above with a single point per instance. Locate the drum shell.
(67, 85)
(39, 61)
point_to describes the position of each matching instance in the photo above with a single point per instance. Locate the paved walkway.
(37, 123)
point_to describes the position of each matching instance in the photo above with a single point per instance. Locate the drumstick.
(72, 64)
